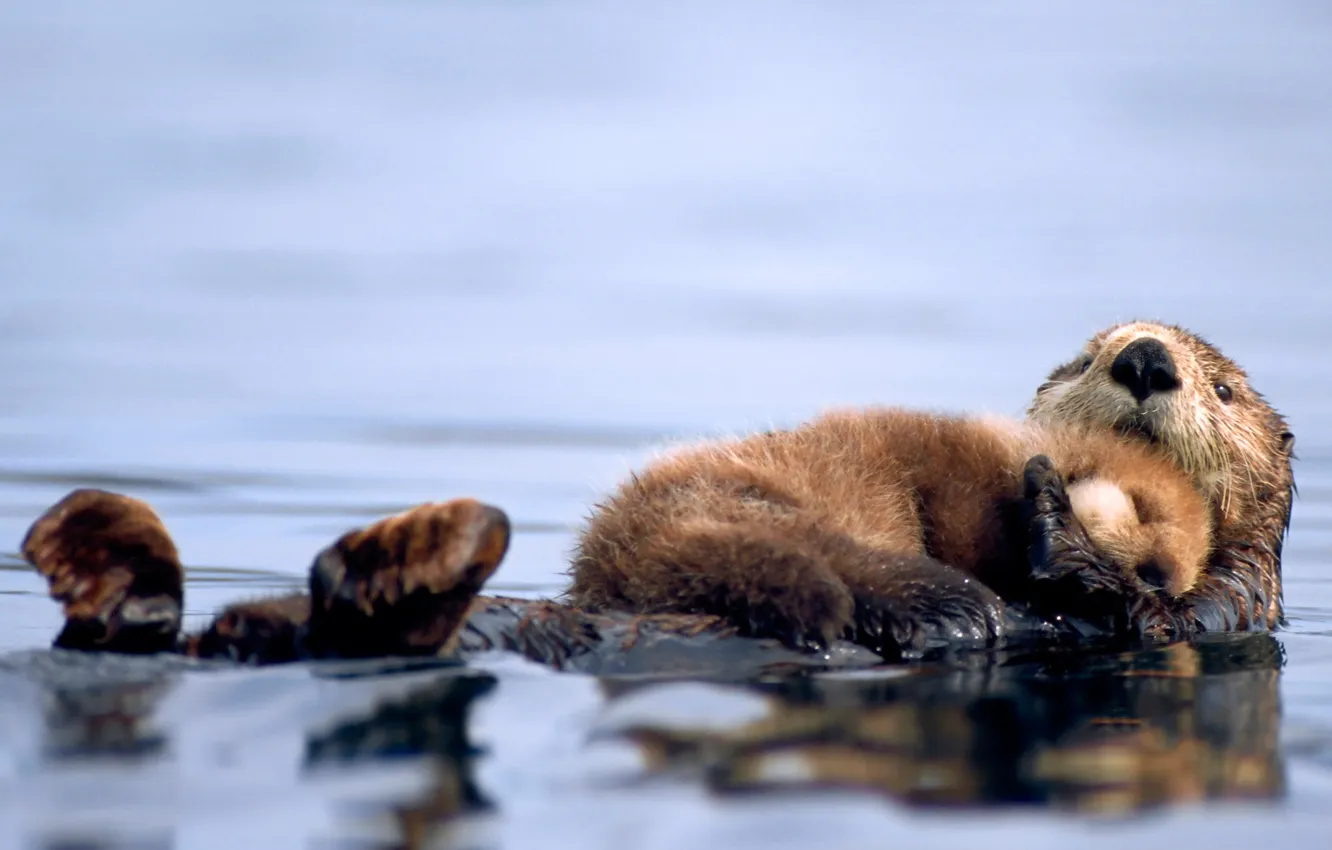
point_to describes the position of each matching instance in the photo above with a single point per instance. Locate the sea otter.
(1180, 394)
(117, 573)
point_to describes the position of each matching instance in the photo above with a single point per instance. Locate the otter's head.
(1170, 387)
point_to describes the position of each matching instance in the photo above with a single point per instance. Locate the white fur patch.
(1101, 503)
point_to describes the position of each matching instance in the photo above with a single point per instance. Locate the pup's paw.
(920, 603)
(807, 615)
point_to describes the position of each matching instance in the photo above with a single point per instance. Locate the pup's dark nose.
(1144, 367)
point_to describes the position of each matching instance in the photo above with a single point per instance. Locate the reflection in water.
(110, 720)
(1109, 733)
(99, 721)
(430, 722)
(1100, 731)
(99, 706)
(102, 729)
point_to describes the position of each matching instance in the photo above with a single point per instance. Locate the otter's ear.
(1288, 443)
(1067, 372)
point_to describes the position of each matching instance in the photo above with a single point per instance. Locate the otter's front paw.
(404, 585)
(110, 561)
(916, 602)
(1070, 575)
(1058, 547)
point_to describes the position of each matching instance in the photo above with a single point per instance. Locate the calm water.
(283, 270)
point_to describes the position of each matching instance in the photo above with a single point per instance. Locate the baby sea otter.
(1117, 546)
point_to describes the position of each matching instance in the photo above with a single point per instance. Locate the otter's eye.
(1223, 392)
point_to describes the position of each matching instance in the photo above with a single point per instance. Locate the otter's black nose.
(1144, 367)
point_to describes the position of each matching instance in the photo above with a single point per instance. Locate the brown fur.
(265, 630)
(404, 585)
(867, 517)
(111, 563)
(1238, 452)
(837, 524)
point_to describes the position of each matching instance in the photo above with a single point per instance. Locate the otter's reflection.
(114, 720)
(109, 720)
(432, 722)
(1112, 732)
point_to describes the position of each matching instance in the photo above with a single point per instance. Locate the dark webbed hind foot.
(109, 560)
(1070, 576)
(404, 585)
(917, 602)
